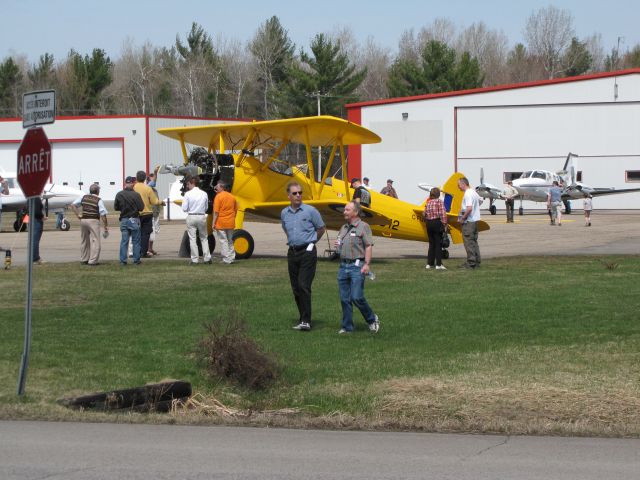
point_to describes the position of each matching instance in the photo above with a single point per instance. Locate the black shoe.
(84, 263)
(93, 264)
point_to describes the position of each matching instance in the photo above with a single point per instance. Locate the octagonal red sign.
(34, 162)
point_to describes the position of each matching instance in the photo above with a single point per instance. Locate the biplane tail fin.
(452, 204)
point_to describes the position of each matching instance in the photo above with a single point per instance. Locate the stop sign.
(34, 162)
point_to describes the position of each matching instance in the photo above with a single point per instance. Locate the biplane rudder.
(452, 205)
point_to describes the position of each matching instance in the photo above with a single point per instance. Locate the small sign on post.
(34, 169)
(38, 108)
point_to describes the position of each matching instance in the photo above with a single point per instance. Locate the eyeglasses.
(296, 193)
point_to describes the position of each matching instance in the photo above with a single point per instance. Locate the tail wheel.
(65, 225)
(243, 244)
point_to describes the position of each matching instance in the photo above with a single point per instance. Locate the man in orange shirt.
(225, 208)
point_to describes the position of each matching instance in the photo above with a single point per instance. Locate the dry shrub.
(226, 351)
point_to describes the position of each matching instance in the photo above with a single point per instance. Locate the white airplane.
(487, 190)
(56, 199)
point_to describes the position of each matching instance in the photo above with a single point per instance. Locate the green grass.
(523, 345)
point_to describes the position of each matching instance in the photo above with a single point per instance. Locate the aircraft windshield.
(539, 175)
(525, 175)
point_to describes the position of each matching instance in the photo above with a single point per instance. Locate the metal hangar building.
(506, 130)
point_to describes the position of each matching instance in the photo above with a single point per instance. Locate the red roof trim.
(497, 88)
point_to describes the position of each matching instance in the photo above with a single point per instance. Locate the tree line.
(268, 78)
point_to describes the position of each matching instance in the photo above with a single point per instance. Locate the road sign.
(38, 108)
(34, 162)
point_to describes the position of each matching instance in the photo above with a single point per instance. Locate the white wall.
(530, 122)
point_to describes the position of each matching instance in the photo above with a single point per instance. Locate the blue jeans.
(351, 286)
(130, 227)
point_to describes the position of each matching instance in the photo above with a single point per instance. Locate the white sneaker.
(342, 330)
(374, 327)
(303, 326)
(428, 267)
(441, 267)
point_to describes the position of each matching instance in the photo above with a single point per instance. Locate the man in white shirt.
(195, 203)
(468, 218)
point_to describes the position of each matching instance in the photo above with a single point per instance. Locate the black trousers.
(146, 227)
(434, 230)
(302, 270)
(509, 204)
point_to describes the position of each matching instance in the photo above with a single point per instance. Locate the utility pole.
(318, 94)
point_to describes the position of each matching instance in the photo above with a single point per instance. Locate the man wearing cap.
(389, 190)
(365, 182)
(129, 203)
(510, 193)
(195, 203)
(303, 226)
(150, 199)
(93, 210)
(361, 195)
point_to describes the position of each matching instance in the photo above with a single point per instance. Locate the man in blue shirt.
(304, 227)
(554, 202)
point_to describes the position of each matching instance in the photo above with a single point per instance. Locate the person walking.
(93, 211)
(303, 226)
(150, 199)
(468, 218)
(129, 203)
(436, 217)
(195, 204)
(355, 243)
(587, 206)
(554, 203)
(510, 193)
(389, 190)
(225, 208)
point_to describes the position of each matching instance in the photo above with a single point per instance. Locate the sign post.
(34, 169)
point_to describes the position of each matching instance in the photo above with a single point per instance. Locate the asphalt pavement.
(85, 451)
(611, 232)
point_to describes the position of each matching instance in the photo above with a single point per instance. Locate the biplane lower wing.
(331, 211)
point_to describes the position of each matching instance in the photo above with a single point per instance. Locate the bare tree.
(548, 33)
(441, 30)
(596, 50)
(240, 72)
(489, 47)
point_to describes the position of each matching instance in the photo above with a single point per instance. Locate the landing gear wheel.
(65, 225)
(493, 209)
(520, 211)
(445, 253)
(243, 244)
(185, 245)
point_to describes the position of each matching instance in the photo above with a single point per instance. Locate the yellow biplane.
(245, 156)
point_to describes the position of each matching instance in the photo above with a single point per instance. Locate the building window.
(632, 175)
(509, 176)
(579, 176)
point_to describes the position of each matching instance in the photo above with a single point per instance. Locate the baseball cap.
(389, 180)
(354, 180)
(130, 180)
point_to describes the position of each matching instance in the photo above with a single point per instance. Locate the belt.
(195, 214)
(297, 248)
(349, 260)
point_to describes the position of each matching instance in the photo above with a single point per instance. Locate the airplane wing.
(597, 192)
(331, 211)
(317, 131)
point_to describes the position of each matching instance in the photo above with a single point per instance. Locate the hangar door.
(509, 139)
(78, 164)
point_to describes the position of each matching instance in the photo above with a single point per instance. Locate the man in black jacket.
(129, 204)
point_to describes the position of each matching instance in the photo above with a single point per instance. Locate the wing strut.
(311, 172)
(326, 170)
(247, 141)
(184, 149)
(275, 155)
(345, 176)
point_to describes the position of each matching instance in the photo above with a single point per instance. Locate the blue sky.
(33, 27)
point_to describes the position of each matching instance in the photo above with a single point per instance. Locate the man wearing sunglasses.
(304, 227)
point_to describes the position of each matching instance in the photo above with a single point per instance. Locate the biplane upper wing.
(331, 211)
(315, 131)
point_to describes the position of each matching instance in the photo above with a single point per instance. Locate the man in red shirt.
(225, 208)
